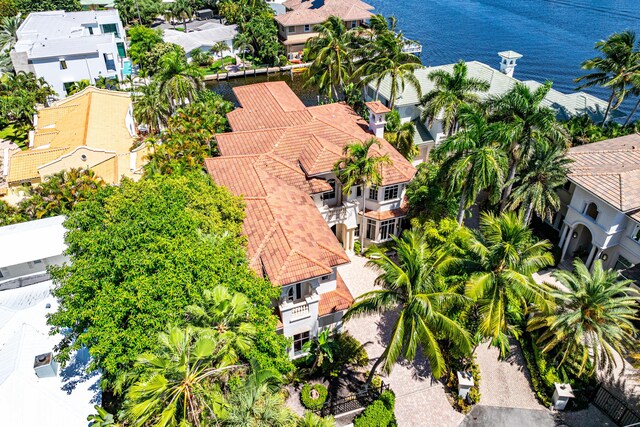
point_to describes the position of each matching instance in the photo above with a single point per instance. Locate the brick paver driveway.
(420, 401)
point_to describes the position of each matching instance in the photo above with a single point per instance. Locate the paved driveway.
(420, 401)
(492, 416)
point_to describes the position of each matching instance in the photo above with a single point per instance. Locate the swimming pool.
(126, 68)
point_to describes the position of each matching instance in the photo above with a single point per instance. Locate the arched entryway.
(580, 244)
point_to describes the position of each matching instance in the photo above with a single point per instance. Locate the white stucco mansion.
(600, 215)
(66, 47)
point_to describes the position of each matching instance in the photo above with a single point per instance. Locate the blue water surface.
(554, 36)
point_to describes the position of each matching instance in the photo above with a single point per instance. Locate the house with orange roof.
(295, 26)
(600, 213)
(280, 157)
(92, 129)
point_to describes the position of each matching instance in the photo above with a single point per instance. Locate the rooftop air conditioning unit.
(45, 366)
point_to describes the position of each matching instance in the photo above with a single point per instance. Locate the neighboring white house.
(203, 38)
(280, 157)
(66, 47)
(34, 389)
(408, 102)
(600, 215)
(28, 248)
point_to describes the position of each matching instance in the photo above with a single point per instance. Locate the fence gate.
(617, 409)
(352, 402)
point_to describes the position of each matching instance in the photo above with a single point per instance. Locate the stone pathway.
(420, 401)
(505, 383)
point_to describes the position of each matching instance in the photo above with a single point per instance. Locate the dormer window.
(391, 192)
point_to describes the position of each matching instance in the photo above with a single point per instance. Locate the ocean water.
(554, 36)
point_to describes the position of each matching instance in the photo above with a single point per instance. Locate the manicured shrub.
(357, 247)
(379, 413)
(313, 396)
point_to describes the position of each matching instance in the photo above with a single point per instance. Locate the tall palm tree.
(228, 314)
(360, 166)
(528, 122)
(179, 81)
(614, 67)
(634, 82)
(243, 44)
(150, 108)
(259, 402)
(501, 257)
(403, 140)
(592, 319)
(474, 160)
(331, 55)
(182, 9)
(8, 31)
(389, 60)
(180, 384)
(412, 284)
(542, 175)
(450, 92)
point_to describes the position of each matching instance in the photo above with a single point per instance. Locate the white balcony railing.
(300, 311)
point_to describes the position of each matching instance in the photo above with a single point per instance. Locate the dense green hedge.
(542, 377)
(308, 401)
(379, 413)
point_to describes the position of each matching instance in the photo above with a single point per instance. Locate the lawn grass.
(218, 64)
(11, 133)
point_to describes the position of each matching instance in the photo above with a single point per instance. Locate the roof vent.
(44, 365)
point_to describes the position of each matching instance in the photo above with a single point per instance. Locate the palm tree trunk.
(372, 373)
(606, 113)
(364, 210)
(184, 22)
(507, 191)
(626, 123)
(461, 208)
(527, 214)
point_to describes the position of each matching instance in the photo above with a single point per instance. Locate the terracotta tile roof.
(609, 169)
(338, 300)
(312, 137)
(635, 215)
(377, 107)
(23, 166)
(93, 117)
(382, 215)
(301, 12)
(288, 239)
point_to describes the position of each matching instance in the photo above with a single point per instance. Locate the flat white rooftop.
(26, 400)
(32, 240)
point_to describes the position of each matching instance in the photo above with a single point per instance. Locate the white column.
(596, 257)
(594, 248)
(567, 241)
(563, 234)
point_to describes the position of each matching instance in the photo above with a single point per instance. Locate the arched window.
(591, 211)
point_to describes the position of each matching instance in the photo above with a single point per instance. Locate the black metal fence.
(617, 409)
(352, 402)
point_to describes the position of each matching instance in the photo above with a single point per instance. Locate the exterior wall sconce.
(604, 257)
(574, 235)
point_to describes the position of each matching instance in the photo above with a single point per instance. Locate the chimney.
(377, 115)
(44, 365)
(508, 61)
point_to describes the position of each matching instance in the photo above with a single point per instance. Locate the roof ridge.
(282, 161)
(266, 238)
(330, 250)
(621, 196)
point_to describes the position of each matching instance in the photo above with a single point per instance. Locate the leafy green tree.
(545, 171)
(10, 214)
(475, 160)
(361, 166)
(143, 12)
(413, 284)
(259, 402)
(190, 136)
(201, 57)
(592, 321)
(330, 53)
(614, 68)
(527, 123)
(153, 57)
(501, 257)
(19, 95)
(102, 418)
(228, 314)
(28, 6)
(60, 193)
(8, 8)
(428, 196)
(150, 109)
(403, 140)
(320, 350)
(181, 381)
(143, 252)
(450, 92)
(142, 40)
(178, 80)
(389, 60)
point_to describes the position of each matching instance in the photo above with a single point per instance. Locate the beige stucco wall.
(76, 160)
